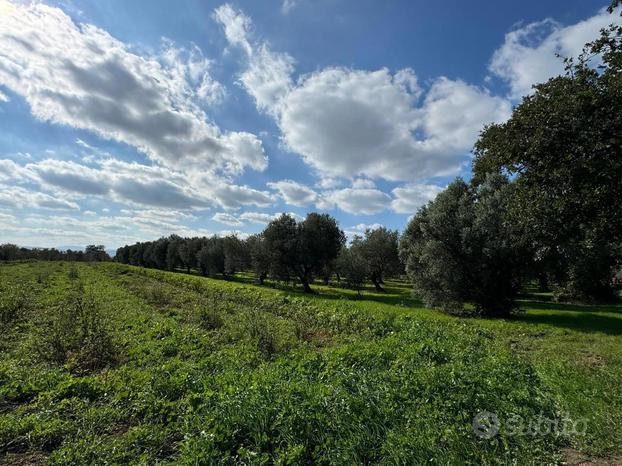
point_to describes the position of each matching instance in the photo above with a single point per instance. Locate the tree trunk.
(306, 287)
(543, 283)
(338, 277)
(376, 282)
(262, 277)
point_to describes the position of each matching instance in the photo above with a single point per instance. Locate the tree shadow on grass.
(588, 322)
(614, 308)
(604, 318)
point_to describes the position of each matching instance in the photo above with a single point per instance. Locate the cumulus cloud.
(527, 56)
(407, 199)
(365, 201)
(80, 76)
(295, 193)
(3, 97)
(346, 122)
(362, 198)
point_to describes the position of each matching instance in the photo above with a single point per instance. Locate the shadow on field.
(615, 308)
(588, 319)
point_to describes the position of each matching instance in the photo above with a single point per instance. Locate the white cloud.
(410, 197)
(288, 5)
(192, 70)
(527, 56)
(363, 183)
(360, 229)
(362, 198)
(7, 218)
(21, 198)
(80, 76)
(236, 24)
(227, 219)
(357, 201)
(9, 170)
(135, 183)
(326, 182)
(128, 227)
(347, 123)
(295, 193)
(268, 77)
(3, 97)
(257, 217)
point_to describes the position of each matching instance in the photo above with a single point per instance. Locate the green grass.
(112, 364)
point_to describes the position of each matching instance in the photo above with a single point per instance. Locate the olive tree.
(563, 147)
(303, 248)
(460, 248)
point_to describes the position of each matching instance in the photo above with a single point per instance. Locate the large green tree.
(563, 147)
(303, 248)
(379, 249)
(460, 248)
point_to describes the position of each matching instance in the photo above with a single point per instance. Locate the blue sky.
(125, 121)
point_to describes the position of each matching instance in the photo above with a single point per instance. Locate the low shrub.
(210, 319)
(77, 334)
(14, 300)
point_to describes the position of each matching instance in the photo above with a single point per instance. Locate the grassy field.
(112, 364)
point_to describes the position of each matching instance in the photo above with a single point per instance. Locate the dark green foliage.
(460, 249)
(352, 268)
(236, 254)
(173, 257)
(379, 250)
(96, 253)
(260, 256)
(211, 257)
(303, 249)
(12, 252)
(563, 146)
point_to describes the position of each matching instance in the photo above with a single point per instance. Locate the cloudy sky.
(124, 121)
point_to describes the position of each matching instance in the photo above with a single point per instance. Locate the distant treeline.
(286, 250)
(12, 252)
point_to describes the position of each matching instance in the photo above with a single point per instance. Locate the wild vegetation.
(109, 363)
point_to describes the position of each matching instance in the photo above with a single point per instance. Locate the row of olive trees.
(545, 202)
(12, 252)
(211, 256)
(286, 250)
